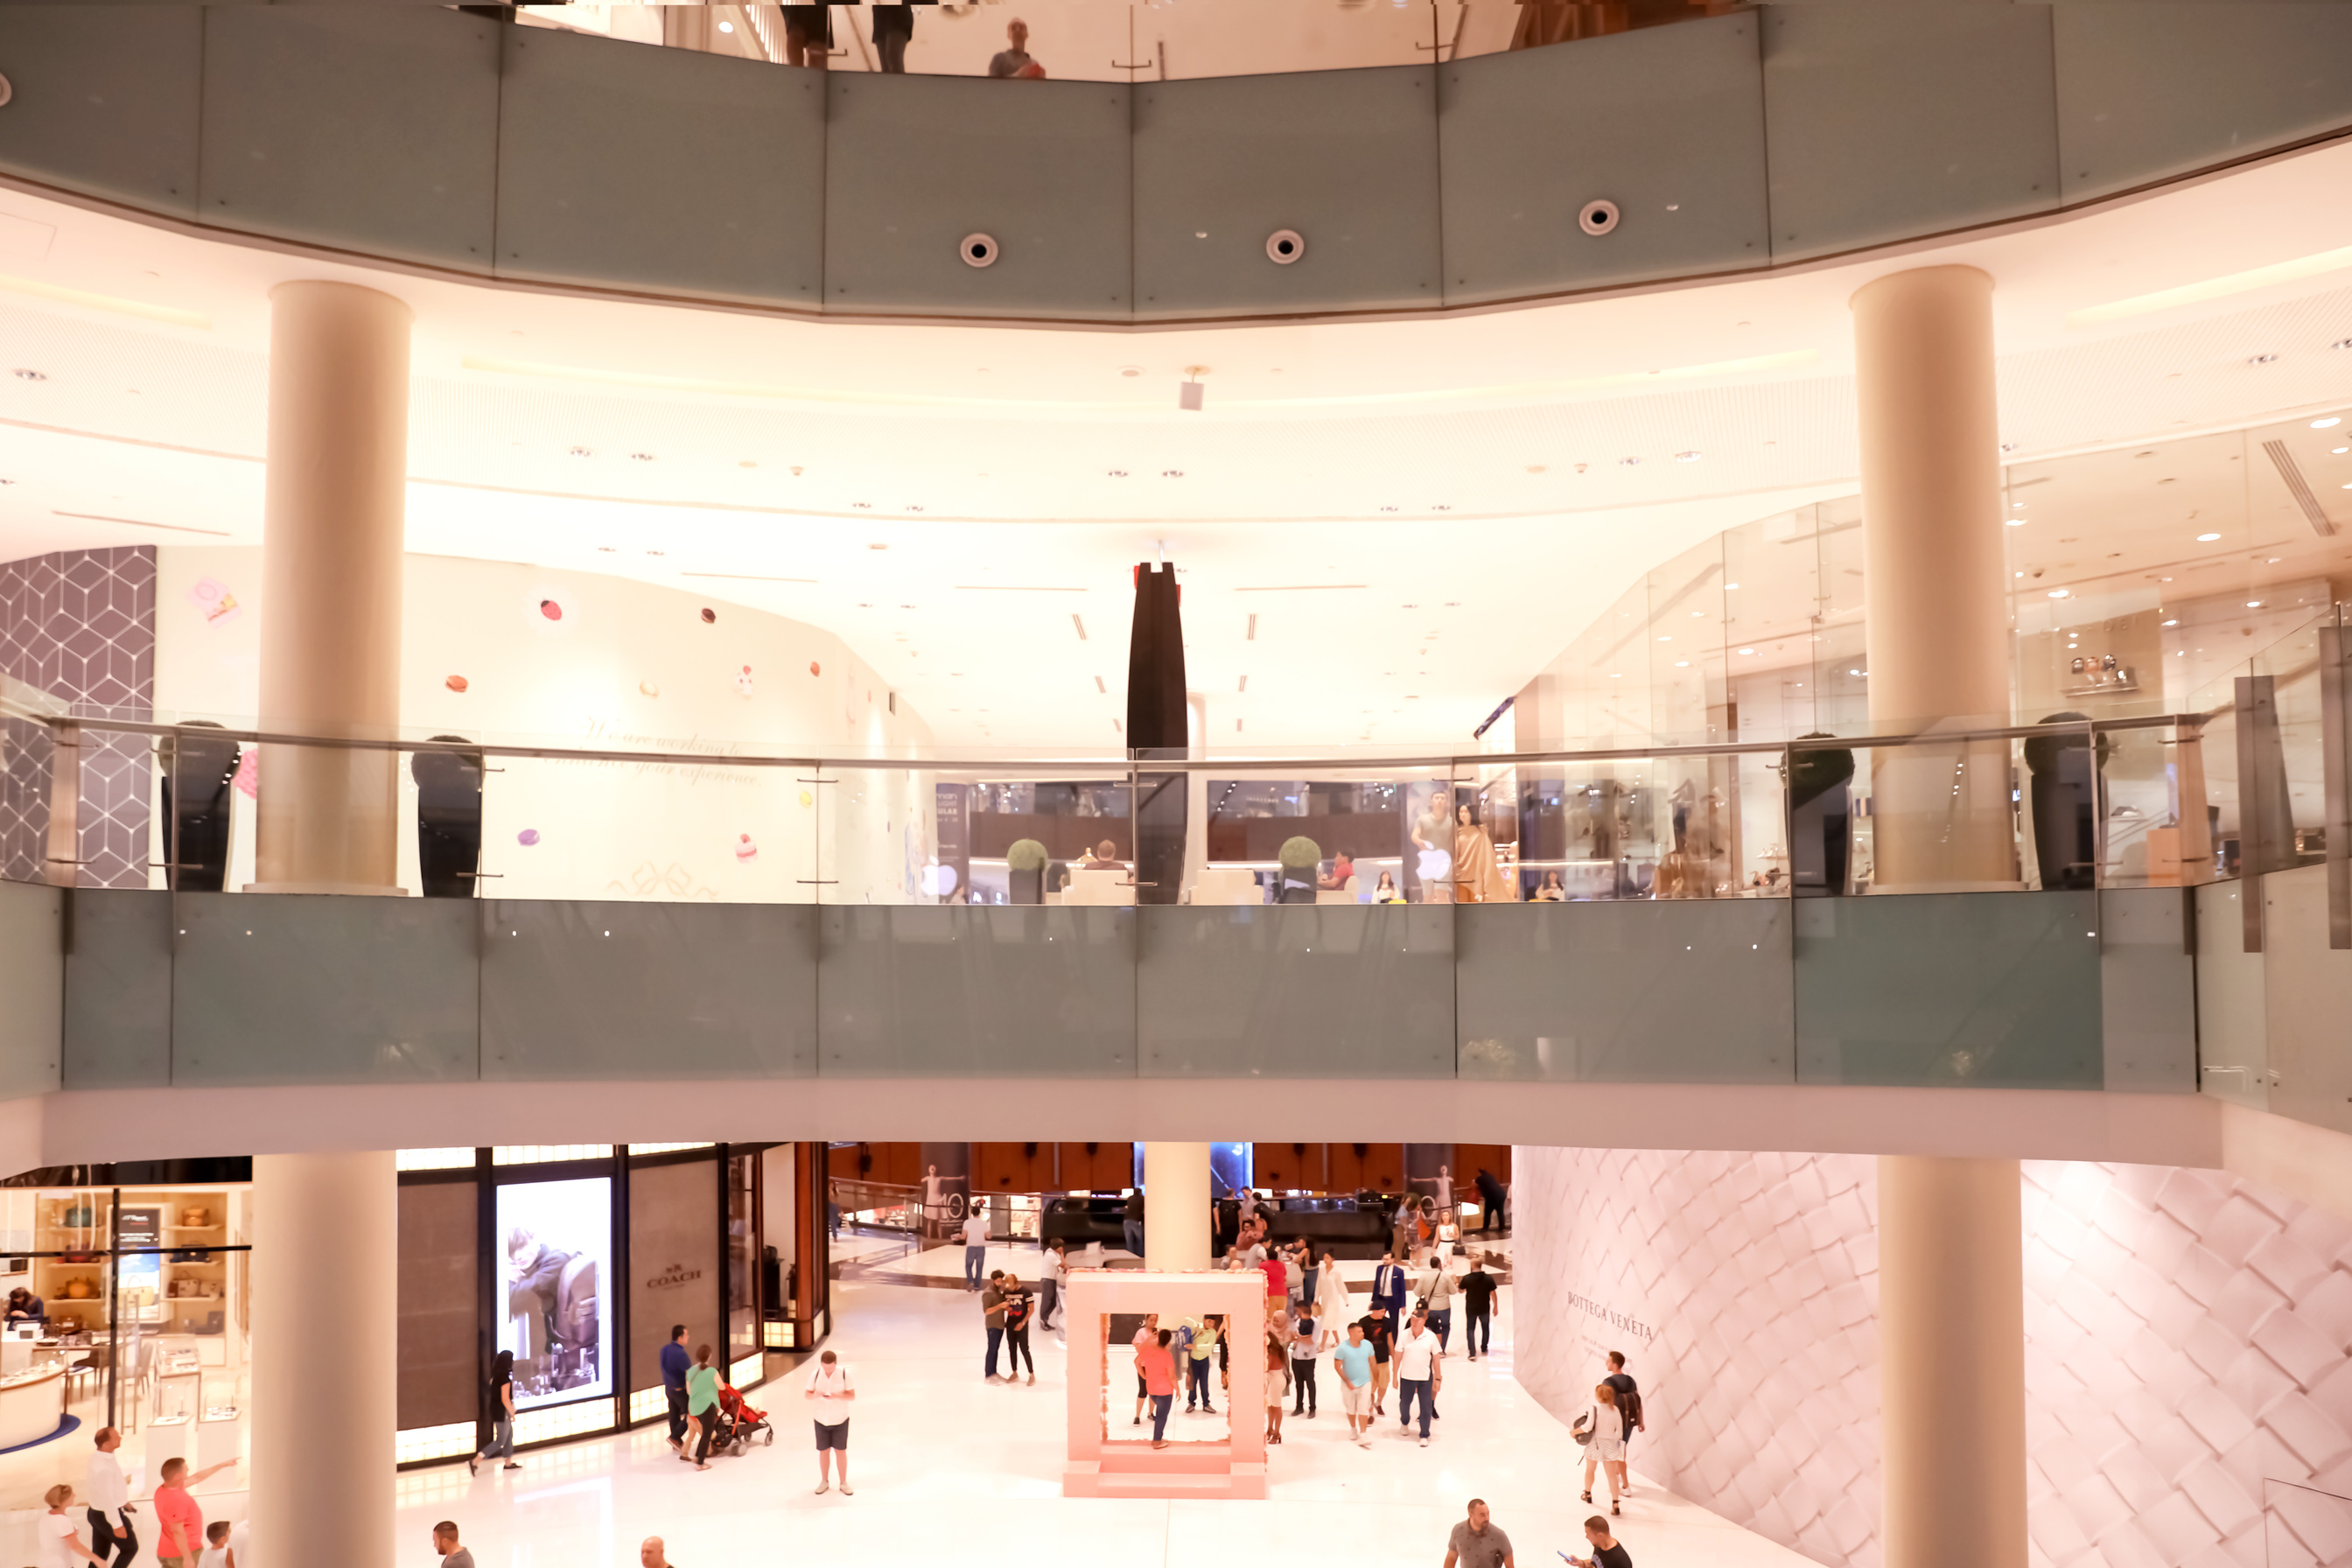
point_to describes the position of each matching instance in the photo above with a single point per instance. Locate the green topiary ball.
(1301, 854)
(1026, 855)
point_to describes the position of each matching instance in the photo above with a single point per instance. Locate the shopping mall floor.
(949, 1468)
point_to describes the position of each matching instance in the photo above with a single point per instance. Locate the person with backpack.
(1629, 1400)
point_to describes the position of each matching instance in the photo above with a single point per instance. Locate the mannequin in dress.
(1477, 880)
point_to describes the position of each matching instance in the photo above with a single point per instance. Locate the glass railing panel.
(2148, 990)
(2306, 1002)
(32, 1025)
(1353, 991)
(1936, 812)
(959, 991)
(314, 988)
(1667, 992)
(2157, 832)
(645, 989)
(118, 990)
(2233, 1022)
(1982, 989)
(882, 825)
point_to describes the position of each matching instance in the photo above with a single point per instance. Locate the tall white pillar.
(325, 1324)
(1176, 1205)
(332, 526)
(1951, 1346)
(1935, 594)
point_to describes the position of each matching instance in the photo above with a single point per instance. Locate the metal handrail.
(1122, 765)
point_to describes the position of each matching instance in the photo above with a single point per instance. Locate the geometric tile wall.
(80, 625)
(2189, 1349)
(1743, 1289)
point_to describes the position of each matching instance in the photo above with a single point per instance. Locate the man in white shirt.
(975, 1246)
(831, 1391)
(1418, 1375)
(109, 1510)
(1056, 1273)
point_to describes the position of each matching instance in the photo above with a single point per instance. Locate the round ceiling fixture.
(1596, 217)
(978, 251)
(1284, 246)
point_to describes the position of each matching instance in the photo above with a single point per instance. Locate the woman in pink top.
(1156, 1365)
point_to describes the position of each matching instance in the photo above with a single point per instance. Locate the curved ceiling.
(1419, 513)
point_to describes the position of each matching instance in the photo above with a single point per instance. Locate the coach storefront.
(577, 1260)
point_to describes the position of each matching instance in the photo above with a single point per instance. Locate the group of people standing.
(182, 1539)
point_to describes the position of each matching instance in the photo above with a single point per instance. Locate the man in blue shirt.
(675, 1364)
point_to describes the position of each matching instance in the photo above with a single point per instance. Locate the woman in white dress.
(1607, 1449)
(61, 1545)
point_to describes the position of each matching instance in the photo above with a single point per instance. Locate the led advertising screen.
(556, 1239)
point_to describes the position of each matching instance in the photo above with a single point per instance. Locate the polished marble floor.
(949, 1468)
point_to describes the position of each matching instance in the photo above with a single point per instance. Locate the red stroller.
(739, 1423)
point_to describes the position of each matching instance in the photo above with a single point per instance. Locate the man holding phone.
(1608, 1551)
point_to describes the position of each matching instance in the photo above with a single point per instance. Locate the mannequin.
(1477, 880)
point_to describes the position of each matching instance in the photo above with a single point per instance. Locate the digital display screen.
(555, 1241)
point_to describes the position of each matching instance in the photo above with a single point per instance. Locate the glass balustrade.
(1973, 903)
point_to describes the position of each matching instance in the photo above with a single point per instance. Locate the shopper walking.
(830, 1392)
(498, 1395)
(1157, 1363)
(60, 1541)
(1014, 61)
(1481, 1298)
(1478, 1542)
(1389, 1286)
(1145, 1336)
(808, 36)
(1306, 1344)
(1353, 1361)
(894, 28)
(975, 1246)
(675, 1364)
(1602, 1427)
(992, 1317)
(1018, 1307)
(1419, 1375)
(1277, 1379)
(1382, 1333)
(1438, 1292)
(1629, 1401)
(1608, 1551)
(702, 1405)
(109, 1503)
(445, 1542)
(1131, 1225)
(1492, 1200)
(1054, 1275)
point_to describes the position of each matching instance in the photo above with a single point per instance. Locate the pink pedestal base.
(1101, 1465)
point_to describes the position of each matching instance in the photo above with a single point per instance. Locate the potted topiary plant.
(1026, 860)
(1300, 858)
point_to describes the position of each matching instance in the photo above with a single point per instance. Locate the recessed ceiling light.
(2330, 423)
(2339, 451)
(2254, 604)
(2017, 573)
(1665, 639)
(2057, 592)
(726, 27)
(2017, 522)
(1618, 675)
(1728, 587)
(1746, 650)
(1682, 664)
(2272, 562)
(2172, 623)
(2209, 537)
(28, 375)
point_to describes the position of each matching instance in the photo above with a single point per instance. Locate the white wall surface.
(627, 666)
(2186, 1336)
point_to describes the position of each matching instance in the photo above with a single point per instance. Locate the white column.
(1951, 1346)
(1935, 594)
(325, 1335)
(332, 530)
(1176, 1205)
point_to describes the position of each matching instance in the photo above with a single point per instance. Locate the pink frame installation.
(1102, 1464)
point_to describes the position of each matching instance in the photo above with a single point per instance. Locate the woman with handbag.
(1601, 1431)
